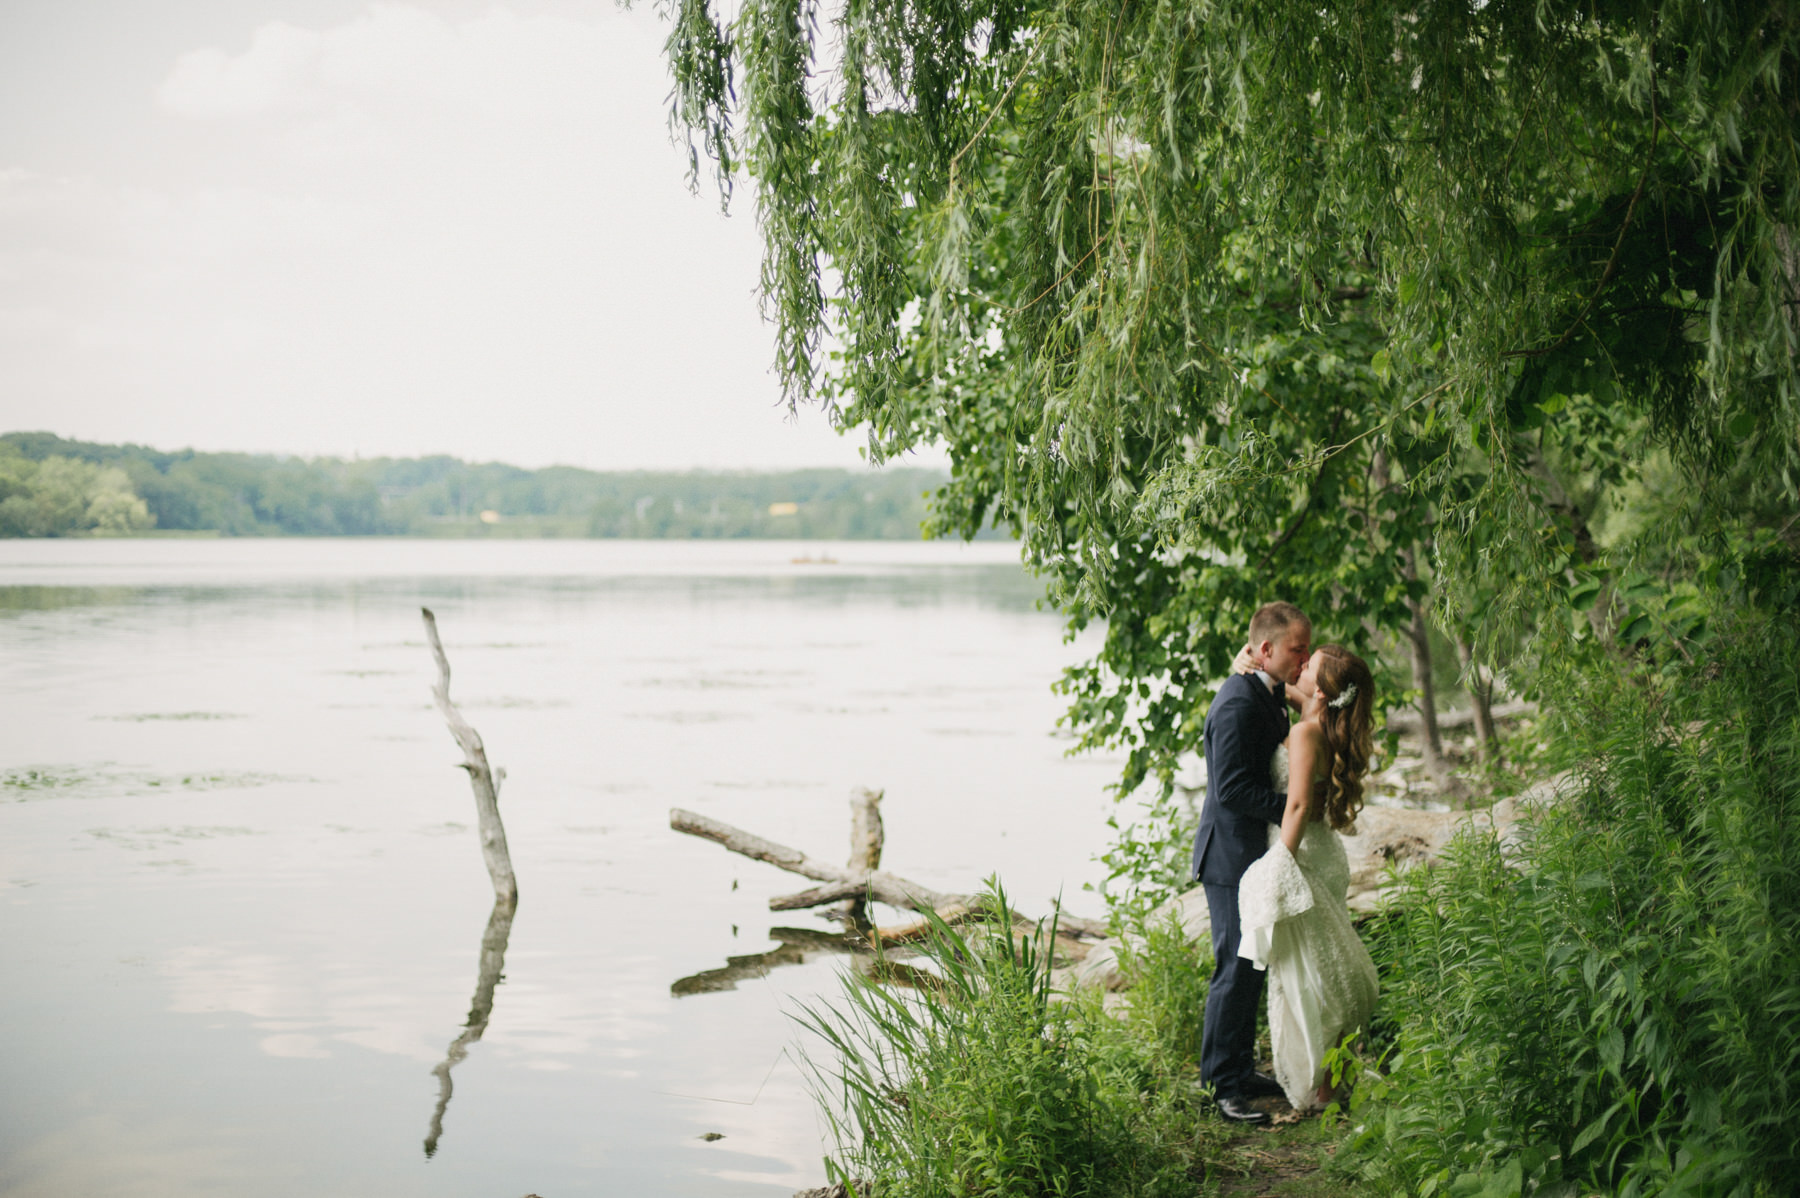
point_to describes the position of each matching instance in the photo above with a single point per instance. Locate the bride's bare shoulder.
(1307, 732)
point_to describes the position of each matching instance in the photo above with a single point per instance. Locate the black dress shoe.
(1239, 1110)
(1261, 1085)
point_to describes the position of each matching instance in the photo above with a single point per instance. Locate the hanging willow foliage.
(1217, 300)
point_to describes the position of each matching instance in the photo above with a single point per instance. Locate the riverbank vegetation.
(1607, 1006)
(50, 486)
(975, 1077)
(1616, 1009)
(1482, 318)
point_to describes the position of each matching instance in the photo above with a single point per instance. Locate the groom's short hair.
(1272, 621)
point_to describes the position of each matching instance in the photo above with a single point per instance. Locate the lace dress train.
(1295, 924)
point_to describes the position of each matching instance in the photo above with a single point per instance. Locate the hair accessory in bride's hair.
(1344, 697)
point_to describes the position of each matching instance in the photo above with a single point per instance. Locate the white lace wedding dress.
(1295, 924)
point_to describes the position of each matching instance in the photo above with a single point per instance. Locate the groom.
(1247, 721)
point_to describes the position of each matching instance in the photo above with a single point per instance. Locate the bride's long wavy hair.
(1348, 731)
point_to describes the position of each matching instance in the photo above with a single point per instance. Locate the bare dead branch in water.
(484, 781)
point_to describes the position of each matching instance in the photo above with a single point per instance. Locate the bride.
(1291, 902)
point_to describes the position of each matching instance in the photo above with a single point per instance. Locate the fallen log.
(881, 886)
(820, 896)
(845, 883)
(1408, 721)
(905, 933)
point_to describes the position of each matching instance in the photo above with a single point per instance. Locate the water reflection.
(290, 987)
(481, 1008)
(798, 945)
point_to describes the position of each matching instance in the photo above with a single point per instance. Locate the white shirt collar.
(1268, 680)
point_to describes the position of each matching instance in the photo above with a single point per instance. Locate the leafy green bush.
(1623, 1012)
(1166, 1003)
(978, 1081)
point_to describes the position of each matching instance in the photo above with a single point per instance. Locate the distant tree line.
(50, 486)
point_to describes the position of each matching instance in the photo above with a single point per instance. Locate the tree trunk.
(1481, 698)
(867, 836)
(1420, 636)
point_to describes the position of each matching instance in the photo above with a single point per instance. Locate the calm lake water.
(243, 904)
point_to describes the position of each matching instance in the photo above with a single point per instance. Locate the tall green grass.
(986, 1083)
(1622, 1014)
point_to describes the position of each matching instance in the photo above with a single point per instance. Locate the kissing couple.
(1270, 855)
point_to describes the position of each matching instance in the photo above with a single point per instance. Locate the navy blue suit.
(1243, 727)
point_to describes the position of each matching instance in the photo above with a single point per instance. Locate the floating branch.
(484, 781)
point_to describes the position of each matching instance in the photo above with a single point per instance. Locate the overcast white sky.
(338, 227)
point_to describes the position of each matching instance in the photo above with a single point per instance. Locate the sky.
(326, 227)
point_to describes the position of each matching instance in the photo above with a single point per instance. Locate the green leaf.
(1408, 288)
(1382, 365)
(1612, 1049)
(1506, 1182)
(1595, 1130)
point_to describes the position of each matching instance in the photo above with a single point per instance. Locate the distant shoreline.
(54, 487)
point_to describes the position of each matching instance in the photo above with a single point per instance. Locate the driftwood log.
(845, 882)
(877, 884)
(484, 780)
(867, 836)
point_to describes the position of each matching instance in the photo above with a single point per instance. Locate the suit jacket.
(1243, 727)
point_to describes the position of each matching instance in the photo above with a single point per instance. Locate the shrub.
(1622, 1012)
(1166, 1002)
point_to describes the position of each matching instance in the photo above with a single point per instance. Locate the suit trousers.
(1228, 1038)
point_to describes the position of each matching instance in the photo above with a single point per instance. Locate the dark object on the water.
(710, 1136)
